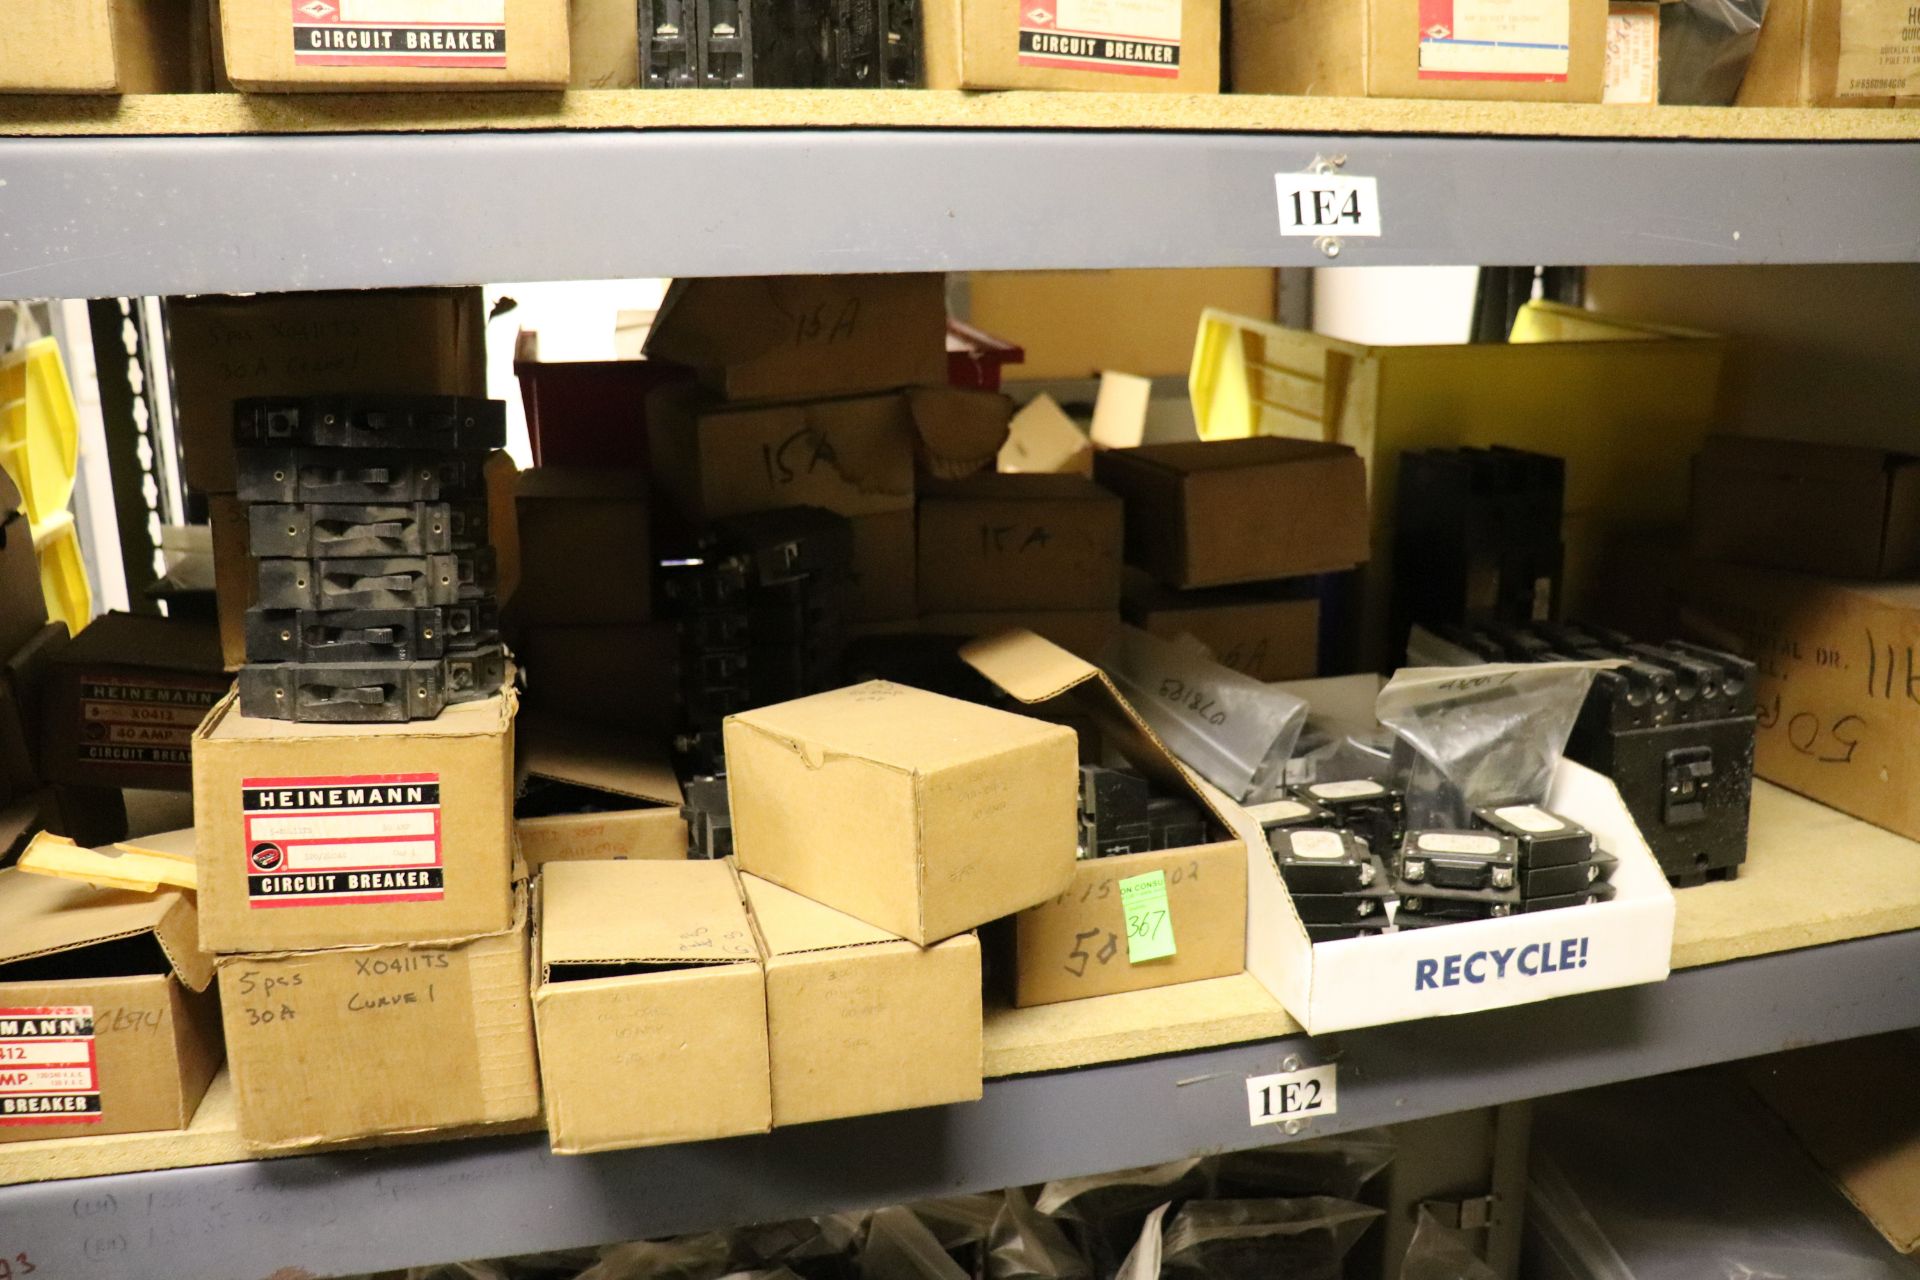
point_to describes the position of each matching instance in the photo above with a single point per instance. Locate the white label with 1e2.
(1328, 204)
(1305, 1094)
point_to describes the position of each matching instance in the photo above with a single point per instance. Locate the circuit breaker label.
(400, 33)
(1879, 48)
(1127, 37)
(142, 720)
(1517, 40)
(315, 842)
(49, 1073)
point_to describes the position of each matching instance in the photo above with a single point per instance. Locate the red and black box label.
(334, 841)
(1127, 37)
(400, 33)
(147, 720)
(49, 1072)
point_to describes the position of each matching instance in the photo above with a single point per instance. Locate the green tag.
(1149, 922)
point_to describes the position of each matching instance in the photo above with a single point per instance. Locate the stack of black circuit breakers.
(368, 519)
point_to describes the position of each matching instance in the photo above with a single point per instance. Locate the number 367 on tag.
(1328, 204)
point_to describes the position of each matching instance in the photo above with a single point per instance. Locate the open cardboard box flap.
(42, 916)
(794, 924)
(613, 913)
(960, 431)
(1037, 671)
(588, 755)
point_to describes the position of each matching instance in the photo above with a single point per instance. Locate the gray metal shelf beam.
(88, 217)
(333, 1215)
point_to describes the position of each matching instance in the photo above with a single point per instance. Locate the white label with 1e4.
(1328, 204)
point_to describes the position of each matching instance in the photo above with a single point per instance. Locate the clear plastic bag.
(901, 1247)
(1485, 735)
(1302, 1239)
(813, 1248)
(1231, 729)
(1705, 46)
(1103, 1213)
(1340, 1165)
(707, 1256)
(1027, 1245)
(1437, 1252)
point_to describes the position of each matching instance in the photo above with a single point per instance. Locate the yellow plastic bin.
(40, 450)
(1626, 404)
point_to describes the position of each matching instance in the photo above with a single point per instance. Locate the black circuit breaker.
(779, 44)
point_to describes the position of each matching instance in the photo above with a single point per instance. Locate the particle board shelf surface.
(191, 114)
(1813, 876)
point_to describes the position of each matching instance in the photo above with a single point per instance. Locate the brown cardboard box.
(120, 703)
(919, 814)
(605, 40)
(1633, 53)
(1839, 721)
(1076, 944)
(853, 457)
(1213, 513)
(1834, 53)
(651, 1003)
(434, 798)
(620, 676)
(794, 337)
(113, 983)
(471, 44)
(402, 341)
(1018, 542)
(960, 431)
(1390, 49)
(633, 794)
(327, 1046)
(584, 543)
(101, 46)
(236, 576)
(1156, 46)
(1042, 438)
(1082, 631)
(1256, 632)
(859, 1021)
(883, 567)
(1826, 509)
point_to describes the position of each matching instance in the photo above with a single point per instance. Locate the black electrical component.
(709, 816)
(1274, 815)
(356, 475)
(1374, 811)
(1120, 814)
(376, 582)
(312, 530)
(1321, 860)
(437, 424)
(367, 635)
(779, 44)
(343, 692)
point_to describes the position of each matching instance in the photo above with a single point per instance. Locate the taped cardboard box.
(1507, 50)
(994, 542)
(328, 1046)
(1835, 682)
(960, 431)
(583, 539)
(398, 341)
(884, 569)
(1085, 632)
(1156, 46)
(1269, 633)
(605, 40)
(1835, 53)
(919, 814)
(1810, 508)
(1076, 944)
(102, 46)
(795, 337)
(120, 702)
(379, 44)
(107, 1023)
(860, 1021)
(1218, 512)
(651, 1002)
(593, 794)
(1469, 965)
(335, 835)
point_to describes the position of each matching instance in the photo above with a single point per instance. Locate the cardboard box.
(884, 569)
(919, 814)
(1826, 509)
(1018, 542)
(584, 547)
(336, 835)
(960, 431)
(236, 576)
(1260, 633)
(626, 677)
(1212, 513)
(1834, 53)
(415, 44)
(102, 46)
(605, 40)
(1838, 717)
(1469, 965)
(1042, 438)
(1085, 632)
(327, 1046)
(625, 797)
(1633, 53)
(853, 457)
(859, 1021)
(1075, 944)
(106, 1021)
(794, 337)
(1155, 46)
(651, 1003)
(399, 341)
(1508, 50)
(121, 701)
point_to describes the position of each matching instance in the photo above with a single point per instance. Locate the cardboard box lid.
(1028, 487)
(715, 321)
(793, 924)
(42, 916)
(484, 718)
(961, 431)
(1037, 671)
(642, 912)
(1043, 438)
(146, 640)
(895, 726)
(589, 755)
